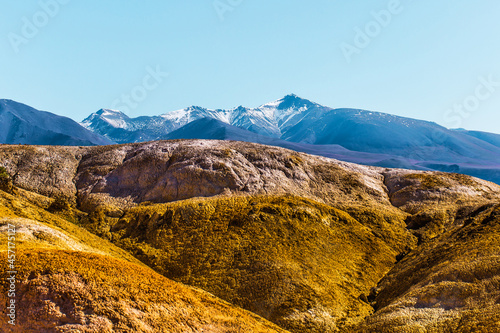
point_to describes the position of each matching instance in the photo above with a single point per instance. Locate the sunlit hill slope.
(223, 236)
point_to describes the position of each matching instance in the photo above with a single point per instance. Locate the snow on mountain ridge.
(290, 118)
(266, 119)
(114, 118)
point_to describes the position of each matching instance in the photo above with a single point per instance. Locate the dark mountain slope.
(21, 124)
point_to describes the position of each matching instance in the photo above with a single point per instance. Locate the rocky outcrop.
(165, 171)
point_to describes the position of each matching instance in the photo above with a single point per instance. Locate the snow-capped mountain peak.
(290, 101)
(287, 111)
(266, 119)
(114, 118)
(110, 112)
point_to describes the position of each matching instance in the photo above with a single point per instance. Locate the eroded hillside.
(165, 171)
(298, 239)
(71, 280)
(451, 284)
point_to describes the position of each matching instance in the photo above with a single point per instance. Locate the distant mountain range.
(272, 120)
(352, 135)
(22, 124)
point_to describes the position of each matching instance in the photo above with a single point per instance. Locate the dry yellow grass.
(18, 207)
(301, 264)
(66, 291)
(449, 285)
(71, 280)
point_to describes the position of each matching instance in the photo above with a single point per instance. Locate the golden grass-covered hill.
(70, 280)
(309, 243)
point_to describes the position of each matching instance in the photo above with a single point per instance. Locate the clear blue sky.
(87, 54)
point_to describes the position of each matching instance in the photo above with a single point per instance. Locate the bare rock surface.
(165, 171)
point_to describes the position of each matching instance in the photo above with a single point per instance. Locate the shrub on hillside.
(5, 180)
(59, 204)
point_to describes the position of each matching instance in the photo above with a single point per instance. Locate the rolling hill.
(309, 243)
